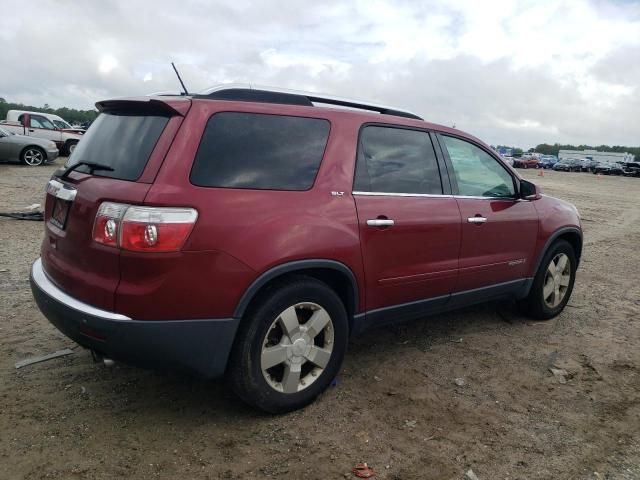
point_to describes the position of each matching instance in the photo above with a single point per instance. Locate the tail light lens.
(143, 229)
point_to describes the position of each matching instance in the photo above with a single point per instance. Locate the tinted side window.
(477, 173)
(396, 160)
(250, 150)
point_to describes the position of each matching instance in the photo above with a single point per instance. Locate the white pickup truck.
(34, 124)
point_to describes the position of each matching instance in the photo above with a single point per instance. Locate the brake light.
(143, 229)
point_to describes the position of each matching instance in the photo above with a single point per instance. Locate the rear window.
(258, 151)
(122, 141)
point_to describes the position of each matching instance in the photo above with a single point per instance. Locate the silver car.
(31, 151)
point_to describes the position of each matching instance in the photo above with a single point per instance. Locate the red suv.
(251, 233)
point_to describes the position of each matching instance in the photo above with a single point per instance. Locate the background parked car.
(31, 151)
(568, 165)
(508, 160)
(588, 164)
(547, 161)
(632, 169)
(608, 168)
(525, 162)
(38, 125)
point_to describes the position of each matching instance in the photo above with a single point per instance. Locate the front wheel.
(33, 156)
(553, 283)
(290, 346)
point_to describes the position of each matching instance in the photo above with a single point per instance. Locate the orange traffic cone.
(541, 172)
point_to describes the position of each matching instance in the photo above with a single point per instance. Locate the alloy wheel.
(297, 347)
(33, 157)
(556, 281)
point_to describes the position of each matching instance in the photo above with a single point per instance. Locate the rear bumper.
(200, 347)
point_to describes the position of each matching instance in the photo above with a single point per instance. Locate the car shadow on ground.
(151, 395)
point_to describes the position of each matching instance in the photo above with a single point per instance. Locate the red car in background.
(250, 233)
(526, 162)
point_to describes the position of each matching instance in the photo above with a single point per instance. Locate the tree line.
(71, 115)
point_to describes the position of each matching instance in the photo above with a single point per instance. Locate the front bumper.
(52, 154)
(200, 347)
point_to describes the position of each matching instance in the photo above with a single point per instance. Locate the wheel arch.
(573, 235)
(336, 275)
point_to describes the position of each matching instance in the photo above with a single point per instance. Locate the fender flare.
(291, 267)
(554, 236)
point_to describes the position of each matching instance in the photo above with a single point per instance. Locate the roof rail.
(256, 93)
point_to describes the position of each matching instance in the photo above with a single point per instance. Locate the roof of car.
(289, 101)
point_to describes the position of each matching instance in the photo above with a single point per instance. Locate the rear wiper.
(92, 168)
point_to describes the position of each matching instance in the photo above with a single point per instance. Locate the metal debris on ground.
(459, 382)
(560, 373)
(43, 358)
(469, 475)
(362, 470)
(410, 423)
(33, 216)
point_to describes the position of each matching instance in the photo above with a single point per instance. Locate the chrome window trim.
(391, 194)
(47, 286)
(432, 195)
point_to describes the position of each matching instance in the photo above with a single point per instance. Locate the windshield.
(120, 140)
(61, 124)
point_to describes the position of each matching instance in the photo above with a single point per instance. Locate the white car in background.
(59, 122)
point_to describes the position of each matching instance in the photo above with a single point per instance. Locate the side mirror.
(529, 191)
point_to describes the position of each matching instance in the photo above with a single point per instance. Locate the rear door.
(409, 224)
(499, 230)
(132, 139)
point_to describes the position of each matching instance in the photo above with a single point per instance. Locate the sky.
(510, 72)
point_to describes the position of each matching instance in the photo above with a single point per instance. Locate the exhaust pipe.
(98, 357)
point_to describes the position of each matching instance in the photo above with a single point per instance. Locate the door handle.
(477, 220)
(380, 222)
(31, 130)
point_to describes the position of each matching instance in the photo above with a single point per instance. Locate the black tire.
(33, 156)
(69, 146)
(534, 305)
(245, 372)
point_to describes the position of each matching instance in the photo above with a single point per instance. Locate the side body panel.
(249, 230)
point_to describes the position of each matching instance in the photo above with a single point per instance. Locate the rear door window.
(258, 151)
(122, 141)
(396, 160)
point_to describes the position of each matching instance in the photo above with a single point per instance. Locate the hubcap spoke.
(556, 295)
(317, 322)
(552, 269)
(564, 280)
(562, 263)
(319, 356)
(290, 323)
(273, 356)
(548, 288)
(291, 378)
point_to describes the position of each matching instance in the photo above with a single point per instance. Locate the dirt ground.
(396, 404)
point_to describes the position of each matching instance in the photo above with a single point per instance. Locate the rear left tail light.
(143, 229)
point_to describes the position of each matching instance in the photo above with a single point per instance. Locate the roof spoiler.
(168, 106)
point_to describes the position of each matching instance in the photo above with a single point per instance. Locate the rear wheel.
(290, 347)
(553, 283)
(33, 156)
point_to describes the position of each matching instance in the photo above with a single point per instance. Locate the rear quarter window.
(260, 151)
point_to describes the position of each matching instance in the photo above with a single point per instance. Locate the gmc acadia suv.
(251, 233)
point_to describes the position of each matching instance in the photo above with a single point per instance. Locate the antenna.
(179, 78)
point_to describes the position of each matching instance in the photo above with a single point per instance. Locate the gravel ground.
(396, 405)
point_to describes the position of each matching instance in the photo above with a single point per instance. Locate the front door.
(42, 127)
(409, 229)
(499, 230)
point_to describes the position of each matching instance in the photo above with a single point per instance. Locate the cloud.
(516, 72)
